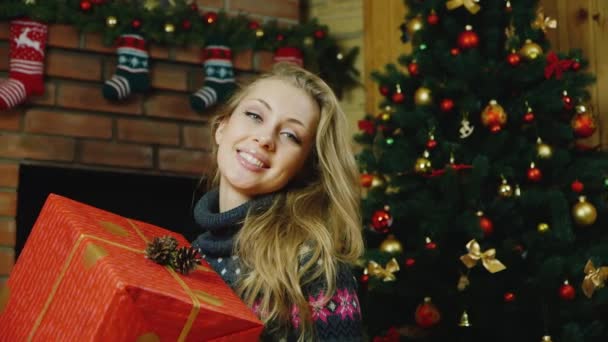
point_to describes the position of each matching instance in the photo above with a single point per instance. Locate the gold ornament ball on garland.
(259, 33)
(422, 166)
(542, 227)
(543, 150)
(111, 21)
(391, 245)
(413, 25)
(422, 97)
(505, 190)
(530, 50)
(169, 28)
(546, 338)
(583, 212)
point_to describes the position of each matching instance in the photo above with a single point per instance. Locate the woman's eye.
(253, 116)
(292, 136)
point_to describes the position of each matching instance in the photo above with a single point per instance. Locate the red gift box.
(83, 275)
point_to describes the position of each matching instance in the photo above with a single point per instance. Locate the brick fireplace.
(73, 127)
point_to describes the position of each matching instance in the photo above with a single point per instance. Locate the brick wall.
(73, 125)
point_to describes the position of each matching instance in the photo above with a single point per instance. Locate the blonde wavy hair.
(311, 226)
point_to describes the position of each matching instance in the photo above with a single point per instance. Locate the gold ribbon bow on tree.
(386, 273)
(543, 23)
(594, 279)
(488, 258)
(468, 4)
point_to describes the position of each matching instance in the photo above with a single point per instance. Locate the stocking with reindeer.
(26, 65)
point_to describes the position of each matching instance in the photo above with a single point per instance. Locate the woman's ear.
(219, 132)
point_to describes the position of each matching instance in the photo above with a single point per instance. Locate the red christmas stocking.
(27, 49)
(288, 54)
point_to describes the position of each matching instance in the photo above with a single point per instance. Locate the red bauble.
(454, 51)
(366, 180)
(136, 23)
(384, 90)
(186, 24)
(534, 174)
(468, 39)
(427, 314)
(413, 68)
(513, 59)
(567, 291)
(280, 37)
(433, 18)
(398, 97)
(253, 25)
(210, 17)
(486, 225)
(509, 297)
(446, 105)
(319, 34)
(85, 5)
(568, 103)
(381, 221)
(577, 186)
(576, 65)
(431, 144)
(409, 262)
(529, 117)
(583, 125)
(364, 278)
(430, 245)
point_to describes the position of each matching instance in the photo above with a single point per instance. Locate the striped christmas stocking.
(288, 54)
(27, 50)
(131, 74)
(219, 77)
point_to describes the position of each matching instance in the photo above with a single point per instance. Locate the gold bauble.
(546, 338)
(423, 165)
(583, 212)
(111, 21)
(169, 28)
(530, 50)
(494, 116)
(413, 25)
(504, 189)
(377, 181)
(391, 245)
(422, 97)
(464, 320)
(542, 227)
(259, 33)
(543, 150)
(308, 41)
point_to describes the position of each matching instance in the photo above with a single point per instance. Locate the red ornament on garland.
(384, 90)
(186, 24)
(568, 104)
(366, 180)
(320, 34)
(534, 173)
(253, 25)
(576, 65)
(513, 58)
(280, 37)
(136, 24)
(433, 18)
(431, 143)
(381, 221)
(583, 123)
(427, 314)
(85, 5)
(413, 68)
(398, 96)
(210, 18)
(567, 291)
(409, 262)
(485, 224)
(509, 297)
(577, 186)
(454, 51)
(430, 245)
(468, 39)
(529, 116)
(446, 105)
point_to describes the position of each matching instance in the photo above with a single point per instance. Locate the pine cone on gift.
(161, 249)
(186, 259)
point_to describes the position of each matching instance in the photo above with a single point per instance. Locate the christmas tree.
(485, 213)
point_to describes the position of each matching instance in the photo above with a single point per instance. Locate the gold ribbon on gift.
(470, 5)
(543, 23)
(94, 253)
(594, 278)
(488, 258)
(386, 273)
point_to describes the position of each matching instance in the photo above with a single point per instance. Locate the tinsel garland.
(181, 23)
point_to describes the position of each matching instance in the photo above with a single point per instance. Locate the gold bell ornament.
(464, 320)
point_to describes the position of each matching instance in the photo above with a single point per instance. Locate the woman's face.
(265, 142)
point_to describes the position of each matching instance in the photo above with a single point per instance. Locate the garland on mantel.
(182, 23)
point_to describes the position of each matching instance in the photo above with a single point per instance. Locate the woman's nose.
(265, 142)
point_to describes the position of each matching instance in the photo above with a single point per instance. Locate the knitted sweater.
(339, 319)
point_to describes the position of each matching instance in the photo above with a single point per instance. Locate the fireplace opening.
(165, 201)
